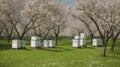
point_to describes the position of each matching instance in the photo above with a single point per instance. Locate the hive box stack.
(16, 44)
(96, 42)
(45, 44)
(51, 43)
(35, 42)
(82, 40)
(76, 42)
(22, 43)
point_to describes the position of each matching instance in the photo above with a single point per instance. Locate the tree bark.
(104, 48)
(113, 45)
(91, 38)
(45, 36)
(1, 31)
(35, 33)
(114, 38)
(56, 39)
(8, 38)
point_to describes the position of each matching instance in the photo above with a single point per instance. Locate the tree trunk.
(114, 38)
(56, 39)
(104, 48)
(8, 38)
(35, 33)
(21, 37)
(0, 37)
(113, 45)
(1, 32)
(91, 38)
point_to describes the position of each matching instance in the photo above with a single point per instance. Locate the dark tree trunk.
(91, 38)
(0, 37)
(114, 38)
(35, 33)
(9, 35)
(104, 48)
(8, 38)
(21, 37)
(1, 32)
(113, 42)
(56, 39)
(113, 45)
(45, 36)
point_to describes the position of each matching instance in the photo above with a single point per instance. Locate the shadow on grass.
(86, 48)
(28, 44)
(22, 49)
(5, 46)
(90, 47)
(56, 49)
(53, 50)
(9, 47)
(116, 52)
(63, 48)
(115, 57)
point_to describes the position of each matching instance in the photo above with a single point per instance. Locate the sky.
(68, 2)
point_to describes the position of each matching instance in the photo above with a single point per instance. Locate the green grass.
(61, 56)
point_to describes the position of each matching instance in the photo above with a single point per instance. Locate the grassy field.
(61, 56)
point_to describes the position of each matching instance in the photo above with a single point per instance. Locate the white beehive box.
(76, 43)
(82, 42)
(35, 43)
(76, 37)
(22, 43)
(51, 43)
(35, 38)
(16, 44)
(45, 44)
(82, 36)
(96, 42)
